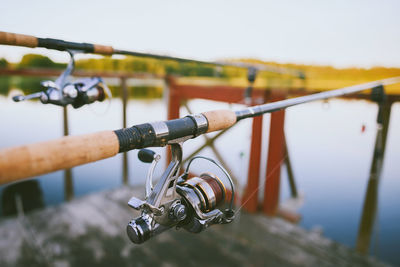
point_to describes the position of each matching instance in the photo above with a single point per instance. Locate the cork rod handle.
(31, 160)
(15, 39)
(103, 49)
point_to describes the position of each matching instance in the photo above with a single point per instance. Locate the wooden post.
(124, 97)
(68, 182)
(275, 159)
(292, 182)
(174, 104)
(371, 195)
(250, 197)
(174, 99)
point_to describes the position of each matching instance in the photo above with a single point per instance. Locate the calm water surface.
(331, 158)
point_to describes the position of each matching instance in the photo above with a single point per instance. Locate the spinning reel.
(176, 200)
(62, 93)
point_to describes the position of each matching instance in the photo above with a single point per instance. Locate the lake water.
(330, 154)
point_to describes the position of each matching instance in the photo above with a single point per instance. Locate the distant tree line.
(38, 61)
(127, 64)
(159, 67)
(3, 63)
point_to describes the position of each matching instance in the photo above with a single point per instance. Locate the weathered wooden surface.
(90, 231)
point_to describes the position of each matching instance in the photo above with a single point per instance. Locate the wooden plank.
(90, 231)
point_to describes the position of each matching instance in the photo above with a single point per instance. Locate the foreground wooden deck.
(90, 231)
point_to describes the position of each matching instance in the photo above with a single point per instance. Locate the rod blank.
(271, 107)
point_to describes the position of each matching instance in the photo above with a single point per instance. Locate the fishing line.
(262, 183)
(106, 109)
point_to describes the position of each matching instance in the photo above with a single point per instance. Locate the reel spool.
(208, 188)
(189, 203)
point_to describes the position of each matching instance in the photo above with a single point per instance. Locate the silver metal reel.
(177, 200)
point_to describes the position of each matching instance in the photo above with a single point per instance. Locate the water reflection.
(371, 196)
(68, 181)
(124, 97)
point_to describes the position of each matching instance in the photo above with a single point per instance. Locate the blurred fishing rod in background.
(63, 92)
(14, 39)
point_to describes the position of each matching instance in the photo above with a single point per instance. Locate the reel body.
(62, 92)
(179, 201)
(79, 93)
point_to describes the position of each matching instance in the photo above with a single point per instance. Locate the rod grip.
(219, 119)
(31, 160)
(15, 39)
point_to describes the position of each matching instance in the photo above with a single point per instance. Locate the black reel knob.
(146, 155)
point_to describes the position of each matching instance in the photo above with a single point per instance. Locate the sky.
(339, 33)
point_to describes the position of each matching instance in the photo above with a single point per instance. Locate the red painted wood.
(274, 162)
(250, 197)
(174, 104)
(174, 99)
(228, 94)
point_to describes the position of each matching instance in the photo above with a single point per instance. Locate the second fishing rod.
(14, 39)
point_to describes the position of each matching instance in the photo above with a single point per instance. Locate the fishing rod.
(63, 92)
(15, 39)
(192, 203)
(70, 151)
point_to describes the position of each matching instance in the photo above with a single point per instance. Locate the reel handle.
(19, 98)
(149, 156)
(146, 155)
